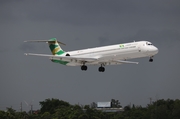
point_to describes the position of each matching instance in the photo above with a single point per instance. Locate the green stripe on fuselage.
(60, 61)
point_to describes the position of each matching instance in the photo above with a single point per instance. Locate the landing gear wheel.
(150, 60)
(101, 69)
(84, 67)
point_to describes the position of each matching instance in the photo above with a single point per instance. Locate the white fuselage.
(110, 53)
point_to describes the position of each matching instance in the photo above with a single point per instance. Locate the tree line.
(58, 109)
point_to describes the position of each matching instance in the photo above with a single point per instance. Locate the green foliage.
(93, 105)
(58, 109)
(115, 103)
(50, 105)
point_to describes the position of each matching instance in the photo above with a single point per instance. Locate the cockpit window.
(148, 43)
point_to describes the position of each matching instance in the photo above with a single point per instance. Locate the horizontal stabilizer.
(46, 41)
(125, 62)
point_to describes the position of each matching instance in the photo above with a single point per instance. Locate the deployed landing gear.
(150, 60)
(84, 67)
(101, 69)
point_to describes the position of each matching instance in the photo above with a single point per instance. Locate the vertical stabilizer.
(55, 47)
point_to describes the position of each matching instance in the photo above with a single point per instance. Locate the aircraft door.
(142, 48)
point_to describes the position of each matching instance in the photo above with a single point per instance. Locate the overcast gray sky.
(84, 24)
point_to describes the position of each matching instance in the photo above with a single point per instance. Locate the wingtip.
(136, 62)
(26, 54)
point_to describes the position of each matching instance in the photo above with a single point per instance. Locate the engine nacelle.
(67, 54)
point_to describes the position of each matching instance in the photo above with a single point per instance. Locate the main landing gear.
(101, 69)
(84, 67)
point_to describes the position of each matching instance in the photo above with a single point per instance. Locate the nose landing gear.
(151, 59)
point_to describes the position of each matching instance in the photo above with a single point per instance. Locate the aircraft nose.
(156, 50)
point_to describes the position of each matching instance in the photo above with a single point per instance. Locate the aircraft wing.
(82, 59)
(114, 62)
(125, 62)
(64, 58)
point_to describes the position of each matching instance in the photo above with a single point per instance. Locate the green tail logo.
(55, 47)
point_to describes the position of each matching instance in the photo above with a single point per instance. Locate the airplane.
(105, 55)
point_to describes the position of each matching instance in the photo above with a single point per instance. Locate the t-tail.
(55, 47)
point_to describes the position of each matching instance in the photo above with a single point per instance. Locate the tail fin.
(55, 47)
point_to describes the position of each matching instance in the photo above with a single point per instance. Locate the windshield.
(148, 43)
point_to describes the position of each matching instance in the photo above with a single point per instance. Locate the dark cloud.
(103, 39)
(163, 37)
(94, 12)
(27, 47)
